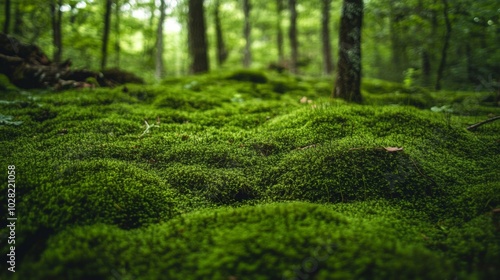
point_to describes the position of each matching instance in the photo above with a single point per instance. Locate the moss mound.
(249, 76)
(213, 244)
(207, 177)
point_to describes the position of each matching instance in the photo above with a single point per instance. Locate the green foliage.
(7, 120)
(5, 84)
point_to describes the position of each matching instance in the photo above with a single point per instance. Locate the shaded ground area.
(252, 176)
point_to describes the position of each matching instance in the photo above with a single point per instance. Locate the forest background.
(432, 43)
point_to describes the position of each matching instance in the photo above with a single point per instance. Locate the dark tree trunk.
(444, 51)
(325, 37)
(279, 9)
(117, 33)
(221, 46)
(348, 80)
(56, 13)
(105, 35)
(397, 43)
(247, 54)
(17, 29)
(6, 23)
(292, 34)
(197, 37)
(471, 75)
(159, 43)
(426, 68)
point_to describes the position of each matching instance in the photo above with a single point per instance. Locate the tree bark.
(426, 68)
(105, 35)
(159, 73)
(6, 23)
(56, 13)
(247, 54)
(325, 36)
(197, 37)
(348, 80)
(279, 39)
(444, 51)
(221, 46)
(17, 29)
(471, 75)
(399, 58)
(117, 33)
(292, 34)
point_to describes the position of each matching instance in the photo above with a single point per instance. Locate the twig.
(149, 126)
(474, 126)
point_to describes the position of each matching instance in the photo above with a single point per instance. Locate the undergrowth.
(252, 175)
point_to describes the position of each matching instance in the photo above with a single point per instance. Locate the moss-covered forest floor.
(254, 177)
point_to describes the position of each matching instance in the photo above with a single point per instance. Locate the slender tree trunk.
(221, 47)
(18, 20)
(117, 33)
(444, 52)
(148, 34)
(397, 44)
(279, 10)
(56, 13)
(197, 40)
(471, 76)
(6, 24)
(325, 36)
(426, 68)
(105, 35)
(247, 56)
(292, 34)
(348, 80)
(159, 43)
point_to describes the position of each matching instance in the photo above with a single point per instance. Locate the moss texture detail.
(252, 175)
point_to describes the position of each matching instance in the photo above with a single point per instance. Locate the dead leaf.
(393, 149)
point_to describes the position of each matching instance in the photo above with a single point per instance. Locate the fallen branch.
(474, 126)
(26, 66)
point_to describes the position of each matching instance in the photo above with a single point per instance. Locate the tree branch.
(474, 126)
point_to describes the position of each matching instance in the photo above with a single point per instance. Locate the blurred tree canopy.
(402, 40)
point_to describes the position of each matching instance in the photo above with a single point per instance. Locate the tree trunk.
(325, 36)
(6, 24)
(221, 47)
(279, 9)
(471, 75)
(105, 35)
(292, 34)
(56, 13)
(159, 43)
(247, 55)
(397, 44)
(197, 37)
(426, 68)
(18, 20)
(117, 33)
(444, 52)
(348, 80)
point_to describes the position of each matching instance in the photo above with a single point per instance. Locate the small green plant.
(8, 120)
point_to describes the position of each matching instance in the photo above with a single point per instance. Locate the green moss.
(5, 83)
(213, 244)
(199, 191)
(381, 86)
(249, 76)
